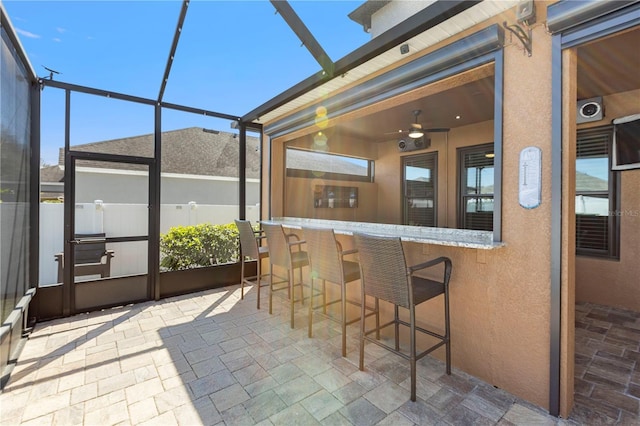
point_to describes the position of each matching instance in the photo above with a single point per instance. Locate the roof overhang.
(433, 24)
(362, 15)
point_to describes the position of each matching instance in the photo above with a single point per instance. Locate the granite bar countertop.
(464, 238)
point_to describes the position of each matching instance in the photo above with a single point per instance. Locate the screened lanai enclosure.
(500, 134)
(107, 206)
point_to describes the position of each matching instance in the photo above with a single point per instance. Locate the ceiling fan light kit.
(415, 131)
(415, 134)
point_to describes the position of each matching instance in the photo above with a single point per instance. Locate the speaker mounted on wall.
(590, 110)
(410, 144)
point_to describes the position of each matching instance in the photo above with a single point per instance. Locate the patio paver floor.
(607, 368)
(210, 358)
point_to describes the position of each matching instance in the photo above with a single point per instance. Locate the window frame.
(613, 193)
(433, 157)
(313, 174)
(462, 178)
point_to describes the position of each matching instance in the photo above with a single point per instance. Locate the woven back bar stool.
(285, 251)
(327, 263)
(386, 276)
(251, 249)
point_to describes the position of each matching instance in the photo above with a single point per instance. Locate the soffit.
(463, 21)
(609, 65)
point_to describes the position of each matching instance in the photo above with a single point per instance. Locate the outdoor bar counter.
(463, 238)
(484, 319)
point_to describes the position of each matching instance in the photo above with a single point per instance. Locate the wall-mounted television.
(626, 143)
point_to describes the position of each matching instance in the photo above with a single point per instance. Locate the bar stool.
(386, 276)
(326, 261)
(250, 249)
(285, 251)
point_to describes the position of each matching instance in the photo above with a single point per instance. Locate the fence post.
(193, 214)
(98, 217)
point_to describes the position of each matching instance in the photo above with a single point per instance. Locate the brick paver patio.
(210, 358)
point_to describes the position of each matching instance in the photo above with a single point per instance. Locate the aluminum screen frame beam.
(308, 40)
(174, 46)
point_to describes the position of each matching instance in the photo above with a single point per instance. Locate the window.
(476, 187)
(596, 195)
(314, 164)
(419, 189)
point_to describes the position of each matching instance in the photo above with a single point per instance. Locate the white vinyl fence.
(120, 220)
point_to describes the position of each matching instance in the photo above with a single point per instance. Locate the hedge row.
(195, 246)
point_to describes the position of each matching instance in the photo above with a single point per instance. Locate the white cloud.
(26, 33)
(61, 30)
(56, 39)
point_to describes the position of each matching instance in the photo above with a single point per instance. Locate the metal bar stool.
(326, 260)
(285, 251)
(386, 276)
(250, 249)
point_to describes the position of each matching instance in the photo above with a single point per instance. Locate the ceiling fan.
(416, 130)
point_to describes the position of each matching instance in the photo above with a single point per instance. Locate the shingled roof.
(196, 151)
(193, 151)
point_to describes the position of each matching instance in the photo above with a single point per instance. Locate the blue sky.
(232, 57)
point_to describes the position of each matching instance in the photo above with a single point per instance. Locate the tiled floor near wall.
(211, 358)
(607, 369)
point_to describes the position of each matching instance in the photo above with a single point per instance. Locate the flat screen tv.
(626, 143)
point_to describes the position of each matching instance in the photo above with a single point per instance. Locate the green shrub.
(186, 247)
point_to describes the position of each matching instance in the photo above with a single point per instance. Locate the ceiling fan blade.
(437, 130)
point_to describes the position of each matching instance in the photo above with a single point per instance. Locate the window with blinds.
(476, 187)
(596, 195)
(419, 189)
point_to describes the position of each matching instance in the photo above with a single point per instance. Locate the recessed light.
(458, 117)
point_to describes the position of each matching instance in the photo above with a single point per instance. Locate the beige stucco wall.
(615, 282)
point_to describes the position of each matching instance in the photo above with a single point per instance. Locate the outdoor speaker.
(409, 144)
(526, 12)
(590, 110)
